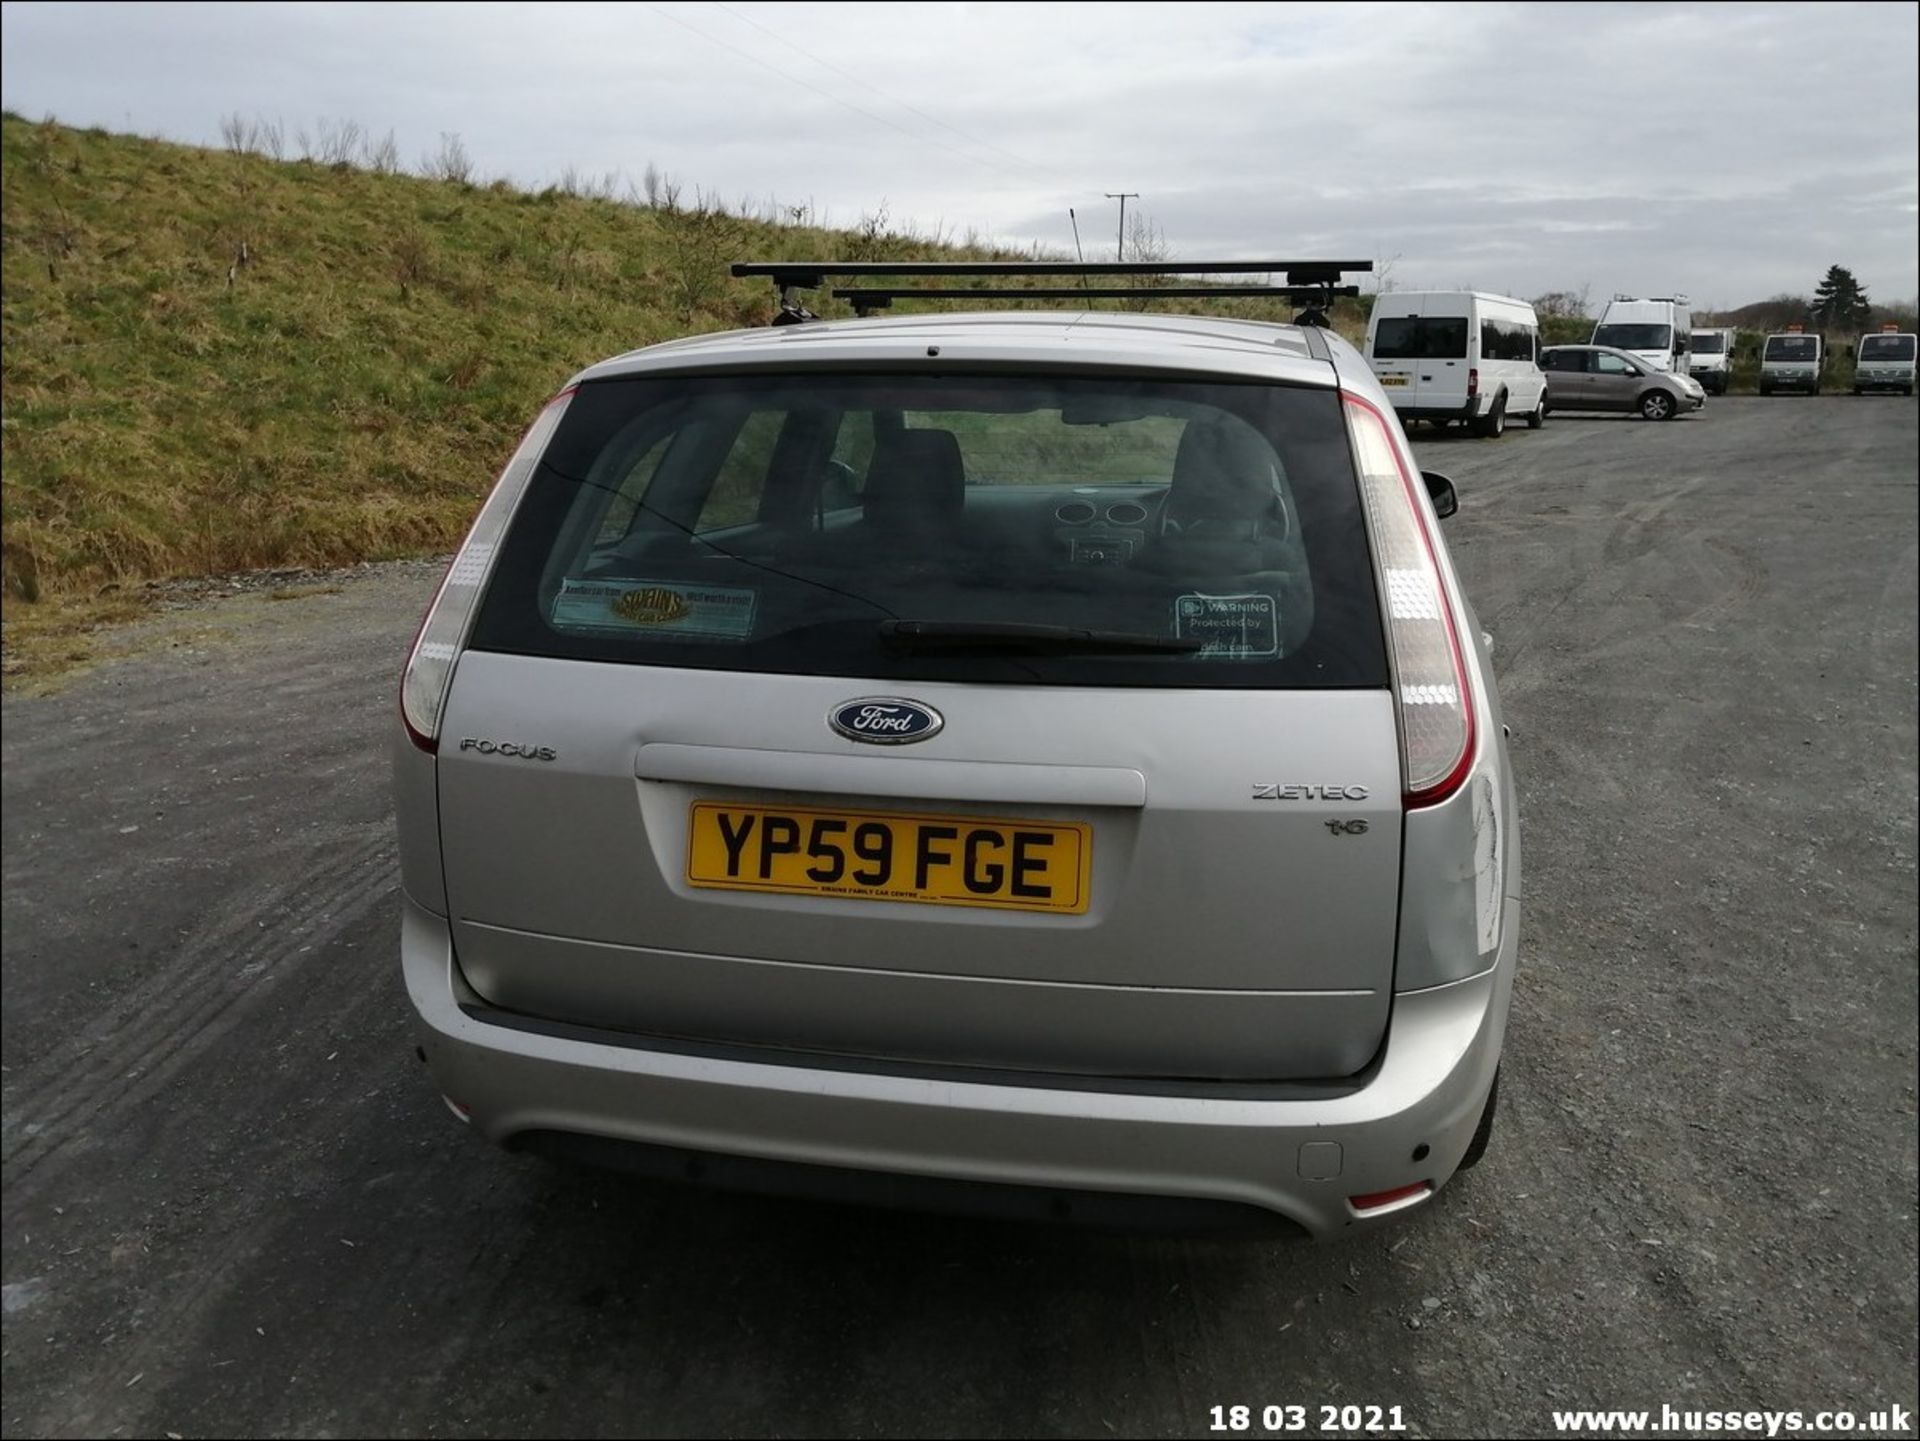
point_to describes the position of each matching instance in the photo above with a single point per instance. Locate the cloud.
(1733, 151)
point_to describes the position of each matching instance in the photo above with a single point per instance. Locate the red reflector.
(1379, 1199)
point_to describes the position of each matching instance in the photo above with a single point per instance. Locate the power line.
(824, 94)
(888, 95)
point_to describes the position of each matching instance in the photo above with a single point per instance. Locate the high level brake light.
(443, 631)
(1431, 693)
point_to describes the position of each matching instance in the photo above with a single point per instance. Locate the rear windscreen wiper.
(1015, 637)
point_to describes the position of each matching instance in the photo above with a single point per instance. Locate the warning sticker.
(667, 608)
(1237, 627)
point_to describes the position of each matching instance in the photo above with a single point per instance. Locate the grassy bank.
(216, 362)
(219, 361)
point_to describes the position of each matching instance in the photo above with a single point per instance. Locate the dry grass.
(60, 636)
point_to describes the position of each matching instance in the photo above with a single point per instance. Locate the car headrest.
(915, 477)
(1223, 476)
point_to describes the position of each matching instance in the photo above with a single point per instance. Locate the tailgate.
(1187, 908)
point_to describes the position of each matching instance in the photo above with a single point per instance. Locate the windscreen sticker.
(665, 608)
(1236, 627)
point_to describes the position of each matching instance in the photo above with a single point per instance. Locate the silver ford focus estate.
(1035, 763)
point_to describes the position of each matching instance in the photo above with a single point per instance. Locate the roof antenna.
(1077, 250)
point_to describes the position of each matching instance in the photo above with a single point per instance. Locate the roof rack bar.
(865, 299)
(809, 274)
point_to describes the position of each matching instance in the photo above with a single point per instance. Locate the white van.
(1447, 355)
(1885, 361)
(1656, 330)
(1791, 360)
(1710, 359)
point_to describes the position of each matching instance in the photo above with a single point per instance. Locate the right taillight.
(423, 687)
(1431, 693)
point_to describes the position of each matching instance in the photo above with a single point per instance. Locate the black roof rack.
(810, 274)
(865, 300)
(791, 275)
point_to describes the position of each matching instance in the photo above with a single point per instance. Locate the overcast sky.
(1732, 151)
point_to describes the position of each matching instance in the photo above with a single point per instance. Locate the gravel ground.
(234, 1206)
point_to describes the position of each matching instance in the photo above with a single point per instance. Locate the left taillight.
(443, 630)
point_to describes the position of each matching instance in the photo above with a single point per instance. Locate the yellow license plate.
(1004, 865)
(1393, 380)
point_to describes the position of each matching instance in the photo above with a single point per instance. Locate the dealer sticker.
(1237, 627)
(667, 608)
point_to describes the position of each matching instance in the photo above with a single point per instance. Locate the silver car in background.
(1034, 763)
(1599, 377)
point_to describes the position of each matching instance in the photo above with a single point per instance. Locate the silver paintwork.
(1226, 937)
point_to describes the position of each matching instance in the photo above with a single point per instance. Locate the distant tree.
(1558, 304)
(1840, 301)
(1563, 316)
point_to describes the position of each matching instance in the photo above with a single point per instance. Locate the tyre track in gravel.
(142, 1042)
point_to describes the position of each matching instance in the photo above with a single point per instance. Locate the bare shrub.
(581, 186)
(662, 190)
(1146, 243)
(383, 158)
(337, 142)
(270, 136)
(236, 134)
(700, 240)
(872, 236)
(450, 161)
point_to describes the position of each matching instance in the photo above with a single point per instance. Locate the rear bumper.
(1300, 1159)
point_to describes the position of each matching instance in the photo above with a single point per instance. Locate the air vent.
(1127, 512)
(1075, 512)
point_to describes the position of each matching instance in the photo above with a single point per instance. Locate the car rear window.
(1414, 337)
(1887, 347)
(947, 527)
(1792, 347)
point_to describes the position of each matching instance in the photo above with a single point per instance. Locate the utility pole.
(1123, 196)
